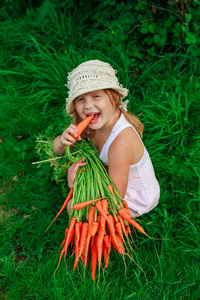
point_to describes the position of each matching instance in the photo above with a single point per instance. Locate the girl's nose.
(88, 104)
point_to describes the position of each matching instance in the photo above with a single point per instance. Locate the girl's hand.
(73, 170)
(66, 137)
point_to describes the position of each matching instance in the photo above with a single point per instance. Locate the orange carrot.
(107, 243)
(93, 257)
(84, 204)
(117, 242)
(104, 205)
(112, 232)
(69, 196)
(98, 219)
(100, 210)
(122, 225)
(66, 232)
(114, 246)
(77, 237)
(110, 224)
(125, 204)
(91, 216)
(114, 221)
(91, 232)
(106, 240)
(82, 125)
(120, 245)
(84, 258)
(137, 226)
(119, 230)
(70, 232)
(105, 254)
(70, 237)
(101, 230)
(109, 247)
(84, 233)
(62, 243)
(129, 230)
(92, 228)
(81, 223)
(111, 189)
(100, 236)
(123, 213)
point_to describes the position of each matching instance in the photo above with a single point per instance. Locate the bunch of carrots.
(100, 218)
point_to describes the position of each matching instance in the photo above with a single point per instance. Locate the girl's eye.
(96, 96)
(80, 99)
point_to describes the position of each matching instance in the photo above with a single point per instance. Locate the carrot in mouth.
(82, 125)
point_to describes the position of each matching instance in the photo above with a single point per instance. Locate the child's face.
(97, 103)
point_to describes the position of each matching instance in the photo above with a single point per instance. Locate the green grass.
(38, 49)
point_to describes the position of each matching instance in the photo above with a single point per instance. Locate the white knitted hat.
(91, 76)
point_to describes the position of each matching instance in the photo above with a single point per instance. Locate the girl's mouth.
(95, 118)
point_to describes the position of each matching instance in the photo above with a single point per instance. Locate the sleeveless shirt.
(143, 190)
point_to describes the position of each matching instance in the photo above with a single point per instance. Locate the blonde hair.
(114, 97)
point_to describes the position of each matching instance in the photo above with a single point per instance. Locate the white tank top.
(143, 190)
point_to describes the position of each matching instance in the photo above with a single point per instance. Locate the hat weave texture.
(91, 76)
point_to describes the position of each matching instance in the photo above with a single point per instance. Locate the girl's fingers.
(72, 126)
(70, 139)
(67, 139)
(73, 170)
(69, 135)
(82, 159)
(77, 165)
(72, 130)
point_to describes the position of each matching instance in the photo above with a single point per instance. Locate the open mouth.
(95, 118)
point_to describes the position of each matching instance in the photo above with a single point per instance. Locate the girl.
(116, 134)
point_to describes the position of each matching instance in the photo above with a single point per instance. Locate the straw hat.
(90, 76)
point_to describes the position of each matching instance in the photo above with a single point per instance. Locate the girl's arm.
(58, 147)
(125, 150)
